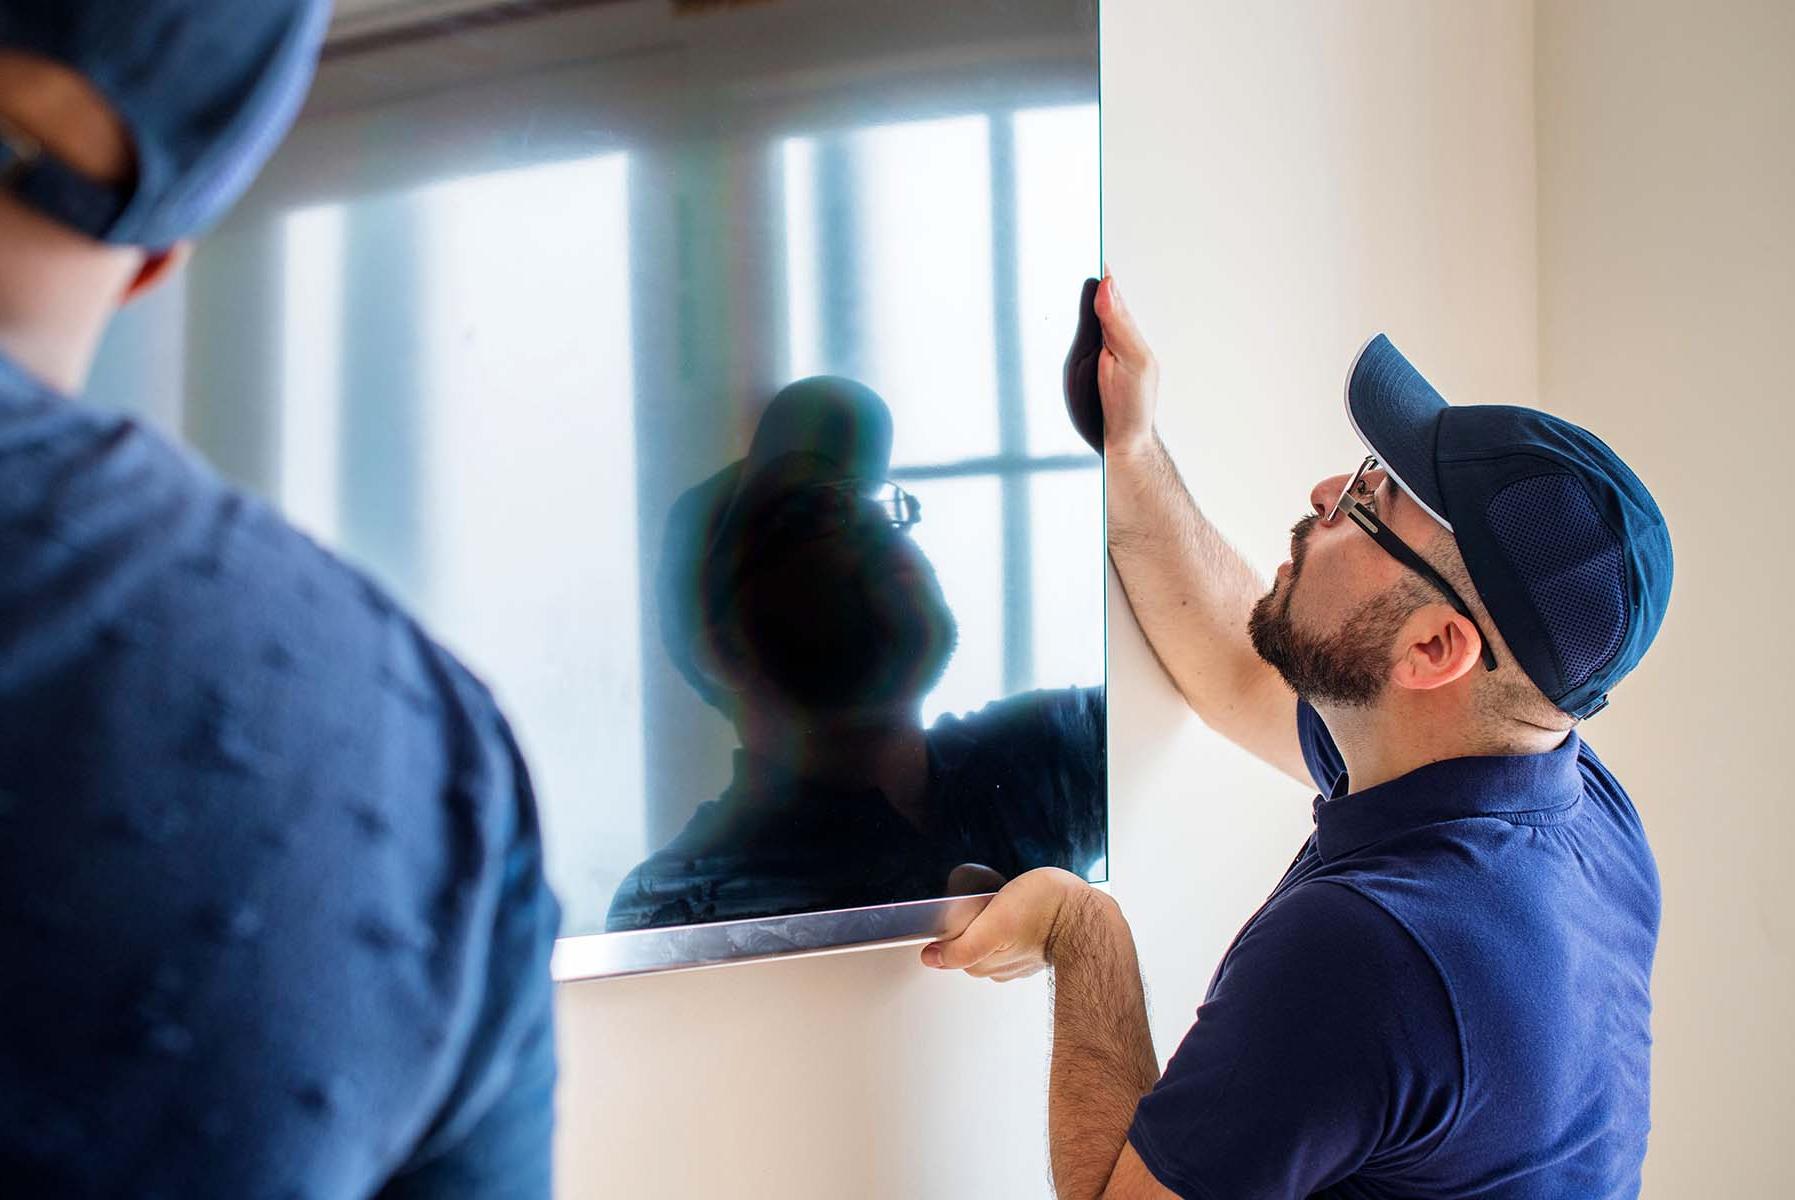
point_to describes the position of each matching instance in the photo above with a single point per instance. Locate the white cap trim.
(1388, 469)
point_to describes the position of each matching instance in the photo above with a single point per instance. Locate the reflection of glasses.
(826, 509)
(1398, 549)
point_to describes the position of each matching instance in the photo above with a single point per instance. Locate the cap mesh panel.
(1570, 562)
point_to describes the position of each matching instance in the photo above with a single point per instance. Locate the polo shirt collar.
(1523, 789)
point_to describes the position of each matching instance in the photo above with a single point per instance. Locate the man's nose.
(1323, 495)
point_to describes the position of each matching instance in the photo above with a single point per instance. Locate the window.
(911, 266)
(432, 448)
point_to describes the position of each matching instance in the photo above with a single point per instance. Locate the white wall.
(1667, 288)
(1282, 180)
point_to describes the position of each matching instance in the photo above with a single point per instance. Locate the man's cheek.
(1307, 601)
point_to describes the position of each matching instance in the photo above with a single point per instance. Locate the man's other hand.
(1014, 936)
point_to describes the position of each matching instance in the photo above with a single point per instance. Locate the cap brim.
(1396, 413)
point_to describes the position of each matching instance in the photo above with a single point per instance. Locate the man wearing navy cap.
(1448, 994)
(272, 913)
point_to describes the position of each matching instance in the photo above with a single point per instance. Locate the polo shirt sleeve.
(1327, 1047)
(1320, 754)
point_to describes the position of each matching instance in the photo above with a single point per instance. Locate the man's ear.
(1439, 646)
(157, 268)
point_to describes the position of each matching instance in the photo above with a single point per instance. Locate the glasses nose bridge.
(1331, 508)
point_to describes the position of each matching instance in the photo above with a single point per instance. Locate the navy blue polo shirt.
(1446, 996)
(273, 920)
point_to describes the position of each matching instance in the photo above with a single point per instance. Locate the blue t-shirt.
(272, 912)
(1446, 996)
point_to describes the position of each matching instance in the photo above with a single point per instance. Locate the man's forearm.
(1190, 590)
(1193, 595)
(1103, 1059)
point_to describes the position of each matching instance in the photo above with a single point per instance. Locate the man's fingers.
(1009, 932)
(1120, 334)
(1001, 968)
(957, 954)
(990, 932)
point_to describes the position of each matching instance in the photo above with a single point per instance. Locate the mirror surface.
(693, 372)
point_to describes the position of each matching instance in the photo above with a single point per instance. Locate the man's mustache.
(1299, 541)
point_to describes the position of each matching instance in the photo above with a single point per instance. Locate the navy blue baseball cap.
(1566, 547)
(206, 88)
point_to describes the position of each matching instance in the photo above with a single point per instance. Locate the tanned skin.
(59, 289)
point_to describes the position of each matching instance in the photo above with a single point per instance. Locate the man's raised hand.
(1127, 375)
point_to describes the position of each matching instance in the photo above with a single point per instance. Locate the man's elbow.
(1131, 1180)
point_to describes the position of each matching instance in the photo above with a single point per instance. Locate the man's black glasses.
(820, 511)
(824, 509)
(1400, 550)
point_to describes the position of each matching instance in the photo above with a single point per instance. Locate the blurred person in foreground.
(271, 896)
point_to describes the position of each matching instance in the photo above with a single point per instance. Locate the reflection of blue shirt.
(1447, 996)
(1017, 785)
(272, 914)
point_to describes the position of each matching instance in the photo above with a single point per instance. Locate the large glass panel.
(529, 484)
(693, 373)
(1053, 235)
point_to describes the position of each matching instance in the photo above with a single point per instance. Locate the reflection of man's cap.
(1565, 545)
(206, 88)
(818, 430)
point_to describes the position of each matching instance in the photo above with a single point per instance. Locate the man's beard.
(1345, 669)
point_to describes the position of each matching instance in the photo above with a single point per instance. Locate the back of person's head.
(127, 130)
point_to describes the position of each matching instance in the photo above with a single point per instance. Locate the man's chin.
(1267, 610)
(911, 660)
(933, 662)
(1268, 628)
(1342, 670)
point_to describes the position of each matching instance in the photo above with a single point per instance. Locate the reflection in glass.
(1054, 147)
(527, 456)
(794, 600)
(515, 288)
(967, 550)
